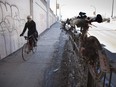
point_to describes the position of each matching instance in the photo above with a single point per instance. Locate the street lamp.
(60, 11)
(57, 7)
(95, 9)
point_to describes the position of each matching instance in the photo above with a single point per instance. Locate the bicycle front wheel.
(96, 69)
(25, 52)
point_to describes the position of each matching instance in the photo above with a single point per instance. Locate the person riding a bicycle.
(31, 25)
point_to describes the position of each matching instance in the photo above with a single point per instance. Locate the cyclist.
(31, 25)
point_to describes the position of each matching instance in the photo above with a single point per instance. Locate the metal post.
(48, 6)
(112, 8)
(31, 8)
(110, 78)
(56, 7)
(104, 80)
(59, 11)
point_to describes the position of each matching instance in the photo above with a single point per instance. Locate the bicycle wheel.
(25, 52)
(96, 72)
(95, 68)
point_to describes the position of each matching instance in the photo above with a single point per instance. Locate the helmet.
(29, 17)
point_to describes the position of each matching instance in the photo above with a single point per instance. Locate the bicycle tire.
(97, 71)
(25, 52)
(96, 76)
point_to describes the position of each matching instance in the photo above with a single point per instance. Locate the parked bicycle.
(89, 47)
(29, 47)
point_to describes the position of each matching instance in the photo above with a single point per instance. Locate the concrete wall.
(13, 15)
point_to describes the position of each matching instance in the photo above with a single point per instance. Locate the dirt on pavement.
(67, 69)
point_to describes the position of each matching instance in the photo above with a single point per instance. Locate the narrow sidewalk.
(14, 72)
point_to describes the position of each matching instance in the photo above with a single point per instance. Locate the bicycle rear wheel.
(26, 53)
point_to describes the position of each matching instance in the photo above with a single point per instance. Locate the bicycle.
(89, 47)
(29, 47)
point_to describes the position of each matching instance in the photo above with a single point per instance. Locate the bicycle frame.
(90, 48)
(30, 41)
(28, 47)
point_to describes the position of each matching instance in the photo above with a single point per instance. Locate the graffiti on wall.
(42, 16)
(10, 22)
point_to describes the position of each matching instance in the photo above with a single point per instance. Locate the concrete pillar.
(48, 6)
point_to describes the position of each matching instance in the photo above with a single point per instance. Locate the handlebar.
(27, 38)
(83, 21)
(98, 19)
